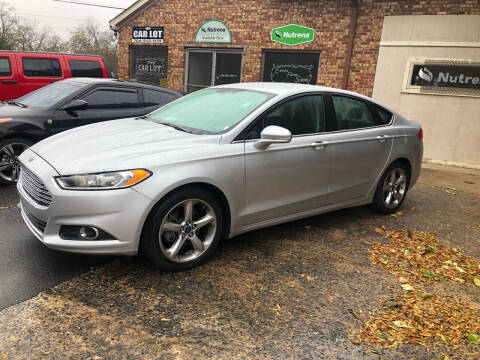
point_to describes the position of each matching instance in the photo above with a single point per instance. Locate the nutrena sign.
(213, 32)
(293, 34)
(460, 76)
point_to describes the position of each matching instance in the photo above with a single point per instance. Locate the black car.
(67, 104)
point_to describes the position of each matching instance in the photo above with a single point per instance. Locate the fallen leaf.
(431, 275)
(460, 280)
(329, 296)
(399, 213)
(473, 338)
(476, 281)
(407, 287)
(42, 353)
(378, 230)
(4, 356)
(166, 319)
(402, 280)
(391, 304)
(413, 208)
(450, 192)
(402, 324)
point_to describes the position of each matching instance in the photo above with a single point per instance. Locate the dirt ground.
(290, 291)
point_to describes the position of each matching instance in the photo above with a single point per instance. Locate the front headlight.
(103, 181)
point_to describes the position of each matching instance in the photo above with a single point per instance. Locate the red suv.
(23, 72)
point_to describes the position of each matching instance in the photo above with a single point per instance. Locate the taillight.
(420, 134)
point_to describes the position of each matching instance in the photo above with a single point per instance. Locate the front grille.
(39, 224)
(34, 187)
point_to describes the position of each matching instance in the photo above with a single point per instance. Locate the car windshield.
(49, 95)
(210, 111)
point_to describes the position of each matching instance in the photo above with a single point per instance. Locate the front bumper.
(120, 213)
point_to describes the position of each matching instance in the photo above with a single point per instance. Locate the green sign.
(293, 34)
(213, 32)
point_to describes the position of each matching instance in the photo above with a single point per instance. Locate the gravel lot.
(289, 291)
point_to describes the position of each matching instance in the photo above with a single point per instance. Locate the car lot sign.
(213, 32)
(148, 34)
(293, 34)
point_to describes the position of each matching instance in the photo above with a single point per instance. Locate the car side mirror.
(75, 105)
(273, 135)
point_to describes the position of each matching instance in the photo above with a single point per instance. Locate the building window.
(149, 64)
(290, 66)
(209, 67)
(442, 77)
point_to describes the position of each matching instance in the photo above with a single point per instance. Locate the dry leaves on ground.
(417, 316)
(419, 257)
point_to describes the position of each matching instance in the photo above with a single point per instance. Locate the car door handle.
(320, 145)
(382, 138)
(9, 81)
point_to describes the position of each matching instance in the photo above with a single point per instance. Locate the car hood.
(119, 145)
(14, 111)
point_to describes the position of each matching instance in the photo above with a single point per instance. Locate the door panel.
(359, 160)
(361, 148)
(285, 179)
(9, 88)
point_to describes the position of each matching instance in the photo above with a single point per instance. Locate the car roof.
(116, 82)
(279, 88)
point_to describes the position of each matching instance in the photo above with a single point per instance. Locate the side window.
(384, 116)
(5, 67)
(112, 99)
(302, 115)
(85, 68)
(156, 98)
(39, 67)
(352, 113)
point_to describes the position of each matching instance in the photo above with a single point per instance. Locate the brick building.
(168, 42)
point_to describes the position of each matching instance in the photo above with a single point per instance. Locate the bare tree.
(8, 27)
(88, 38)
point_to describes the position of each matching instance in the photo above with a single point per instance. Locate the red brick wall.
(251, 22)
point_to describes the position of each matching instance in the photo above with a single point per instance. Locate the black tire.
(379, 203)
(150, 243)
(3, 144)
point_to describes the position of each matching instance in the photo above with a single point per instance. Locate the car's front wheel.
(392, 188)
(184, 230)
(10, 149)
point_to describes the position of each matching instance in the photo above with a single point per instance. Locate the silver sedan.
(214, 164)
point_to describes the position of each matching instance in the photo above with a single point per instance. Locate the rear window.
(85, 68)
(36, 67)
(5, 67)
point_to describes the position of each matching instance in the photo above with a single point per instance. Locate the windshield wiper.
(14, 102)
(173, 126)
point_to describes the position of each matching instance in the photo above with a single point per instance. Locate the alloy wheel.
(394, 188)
(9, 164)
(187, 230)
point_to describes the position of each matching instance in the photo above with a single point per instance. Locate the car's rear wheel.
(392, 188)
(10, 149)
(184, 230)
